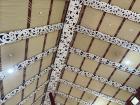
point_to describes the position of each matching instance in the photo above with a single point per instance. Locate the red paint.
(51, 99)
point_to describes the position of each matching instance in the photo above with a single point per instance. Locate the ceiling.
(18, 15)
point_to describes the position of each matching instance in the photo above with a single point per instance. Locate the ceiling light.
(135, 101)
(40, 12)
(10, 71)
(127, 62)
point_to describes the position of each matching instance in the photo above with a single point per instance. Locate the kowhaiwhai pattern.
(23, 86)
(22, 65)
(64, 45)
(105, 61)
(133, 16)
(14, 36)
(81, 88)
(108, 38)
(101, 79)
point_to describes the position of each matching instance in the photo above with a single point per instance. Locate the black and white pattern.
(33, 93)
(24, 64)
(100, 79)
(14, 36)
(108, 38)
(23, 86)
(64, 45)
(133, 16)
(105, 61)
(47, 100)
(81, 88)
(73, 98)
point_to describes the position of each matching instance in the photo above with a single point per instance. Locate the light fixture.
(127, 62)
(135, 101)
(10, 71)
(40, 12)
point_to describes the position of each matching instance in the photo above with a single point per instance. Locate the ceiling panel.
(40, 12)
(14, 16)
(33, 48)
(32, 70)
(57, 10)
(11, 19)
(91, 16)
(29, 89)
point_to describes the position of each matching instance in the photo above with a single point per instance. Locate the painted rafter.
(24, 64)
(81, 88)
(32, 94)
(64, 45)
(23, 86)
(73, 98)
(14, 36)
(105, 61)
(108, 38)
(103, 6)
(100, 79)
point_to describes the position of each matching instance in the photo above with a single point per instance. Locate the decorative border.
(133, 16)
(14, 36)
(32, 94)
(105, 61)
(73, 98)
(81, 88)
(31, 60)
(101, 79)
(64, 45)
(108, 38)
(23, 86)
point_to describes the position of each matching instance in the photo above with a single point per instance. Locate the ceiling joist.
(105, 61)
(108, 38)
(100, 79)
